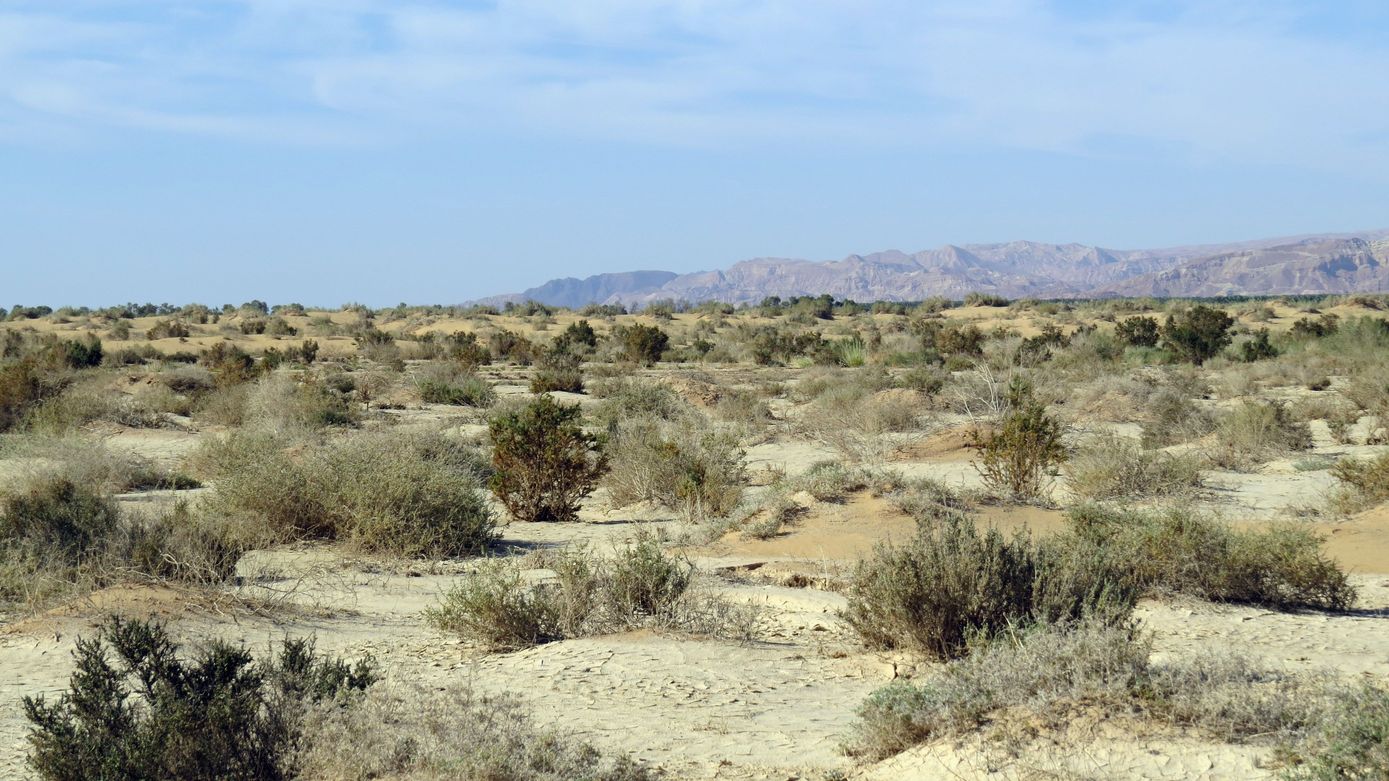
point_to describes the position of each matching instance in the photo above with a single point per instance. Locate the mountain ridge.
(1309, 263)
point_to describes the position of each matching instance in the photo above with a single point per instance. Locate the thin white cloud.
(1238, 81)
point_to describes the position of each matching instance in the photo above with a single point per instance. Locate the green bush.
(134, 710)
(1197, 334)
(1138, 331)
(642, 344)
(1015, 458)
(544, 462)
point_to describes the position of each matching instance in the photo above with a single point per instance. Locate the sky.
(386, 151)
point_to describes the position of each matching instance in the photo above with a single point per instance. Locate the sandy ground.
(778, 708)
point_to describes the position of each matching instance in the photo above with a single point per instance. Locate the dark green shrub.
(1138, 331)
(229, 364)
(81, 353)
(1258, 348)
(578, 336)
(985, 299)
(543, 460)
(642, 344)
(134, 710)
(1197, 334)
(23, 386)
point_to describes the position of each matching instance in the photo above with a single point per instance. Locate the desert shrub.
(166, 329)
(1258, 348)
(1197, 334)
(1111, 467)
(1255, 432)
(1015, 457)
(1178, 550)
(641, 585)
(120, 330)
(682, 466)
(558, 370)
(510, 346)
(641, 344)
(578, 337)
(58, 536)
(1351, 741)
(135, 710)
(278, 402)
(453, 384)
(1323, 326)
(1040, 676)
(228, 363)
(1364, 482)
(1138, 331)
(854, 420)
(828, 481)
(23, 386)
(953, 584)
(1173, 417)
(187, 379)
(433, 733)
(383, 492)
(985, 299)
(544, 462)
(746, 407)
(629, 398)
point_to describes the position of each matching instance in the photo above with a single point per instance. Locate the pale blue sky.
(327, 151)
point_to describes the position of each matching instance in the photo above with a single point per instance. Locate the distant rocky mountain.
(600, 288)
(1324, 263)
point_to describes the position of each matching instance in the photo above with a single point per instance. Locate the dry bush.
(952, 585)
(278, 403)
(626, 397)
(59, 537)
(499, 609)
(858, 425)
(1364, 482)
(1040, 676)
(1351, 740)
(1179, 550)
(453, 383)
(1172, 418)
(409, 495)
(448, 734)
(1256, 432)
(682, 465)
(1112, 467)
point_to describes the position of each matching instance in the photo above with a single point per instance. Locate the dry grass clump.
(1364, 482)
(1179, 550)
(60, 537)
(279, 403)
(683, 465)
(1256, 432)
(452, 383)
(1351, 740)
(450, 734)
(501, 610)
(628, 397)
(416, 495)
(1047, 672)
(854, 411)
(1112, 467)
(953, 585)
(91, 463)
